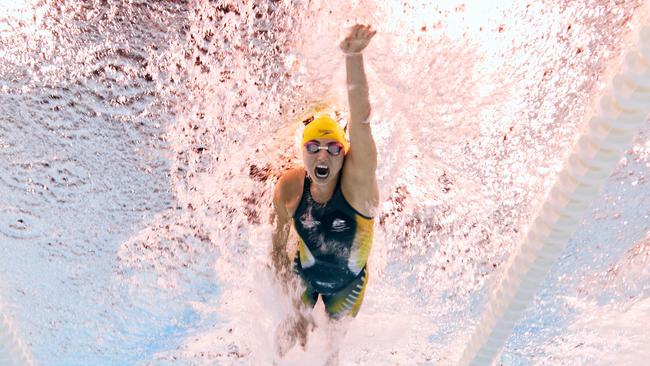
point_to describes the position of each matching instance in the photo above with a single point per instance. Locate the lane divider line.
(620, 112)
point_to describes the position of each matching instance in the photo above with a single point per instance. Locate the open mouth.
(322, 171)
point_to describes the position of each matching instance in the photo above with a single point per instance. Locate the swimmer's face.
(322, 167)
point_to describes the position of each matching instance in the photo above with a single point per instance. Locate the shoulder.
(288, 189)
(361, 190)
(291, 179)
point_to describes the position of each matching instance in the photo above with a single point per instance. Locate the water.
(139, 145)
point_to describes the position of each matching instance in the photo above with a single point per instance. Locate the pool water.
(140, 143)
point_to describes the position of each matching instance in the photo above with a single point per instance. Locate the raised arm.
(359, 182)
(363, 152)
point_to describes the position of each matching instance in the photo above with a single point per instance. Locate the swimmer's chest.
(326, 229)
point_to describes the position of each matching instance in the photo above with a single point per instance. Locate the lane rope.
(620, 112)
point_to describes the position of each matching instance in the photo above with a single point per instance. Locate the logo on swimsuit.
(324, 284)
(338, 225)
(308, 220)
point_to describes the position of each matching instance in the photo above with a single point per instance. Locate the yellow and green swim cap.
(324, 127)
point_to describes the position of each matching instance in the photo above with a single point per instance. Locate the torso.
(334, 237)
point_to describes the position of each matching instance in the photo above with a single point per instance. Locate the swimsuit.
(335, 241)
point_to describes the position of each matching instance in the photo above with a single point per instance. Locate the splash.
(143, 142)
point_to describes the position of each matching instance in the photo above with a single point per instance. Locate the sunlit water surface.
(140, 142)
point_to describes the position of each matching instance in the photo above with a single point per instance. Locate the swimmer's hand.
(291, 330)
(358, 38)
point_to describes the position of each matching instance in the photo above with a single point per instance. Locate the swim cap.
(324, 127)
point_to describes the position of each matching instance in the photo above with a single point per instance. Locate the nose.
(322, 154)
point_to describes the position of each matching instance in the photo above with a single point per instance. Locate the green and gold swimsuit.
(335, 241)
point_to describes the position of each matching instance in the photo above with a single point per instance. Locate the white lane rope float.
(620, 112)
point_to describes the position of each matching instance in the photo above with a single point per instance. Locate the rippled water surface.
(140, 143)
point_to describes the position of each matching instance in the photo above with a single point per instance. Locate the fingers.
(303, 326)
(302, 331)
(362, 31)
(357, 31)
(302, 335)
(357, 39)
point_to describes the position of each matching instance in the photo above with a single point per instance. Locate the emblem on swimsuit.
(338, 225)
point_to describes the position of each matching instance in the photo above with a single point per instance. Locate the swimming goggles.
(334, 148)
